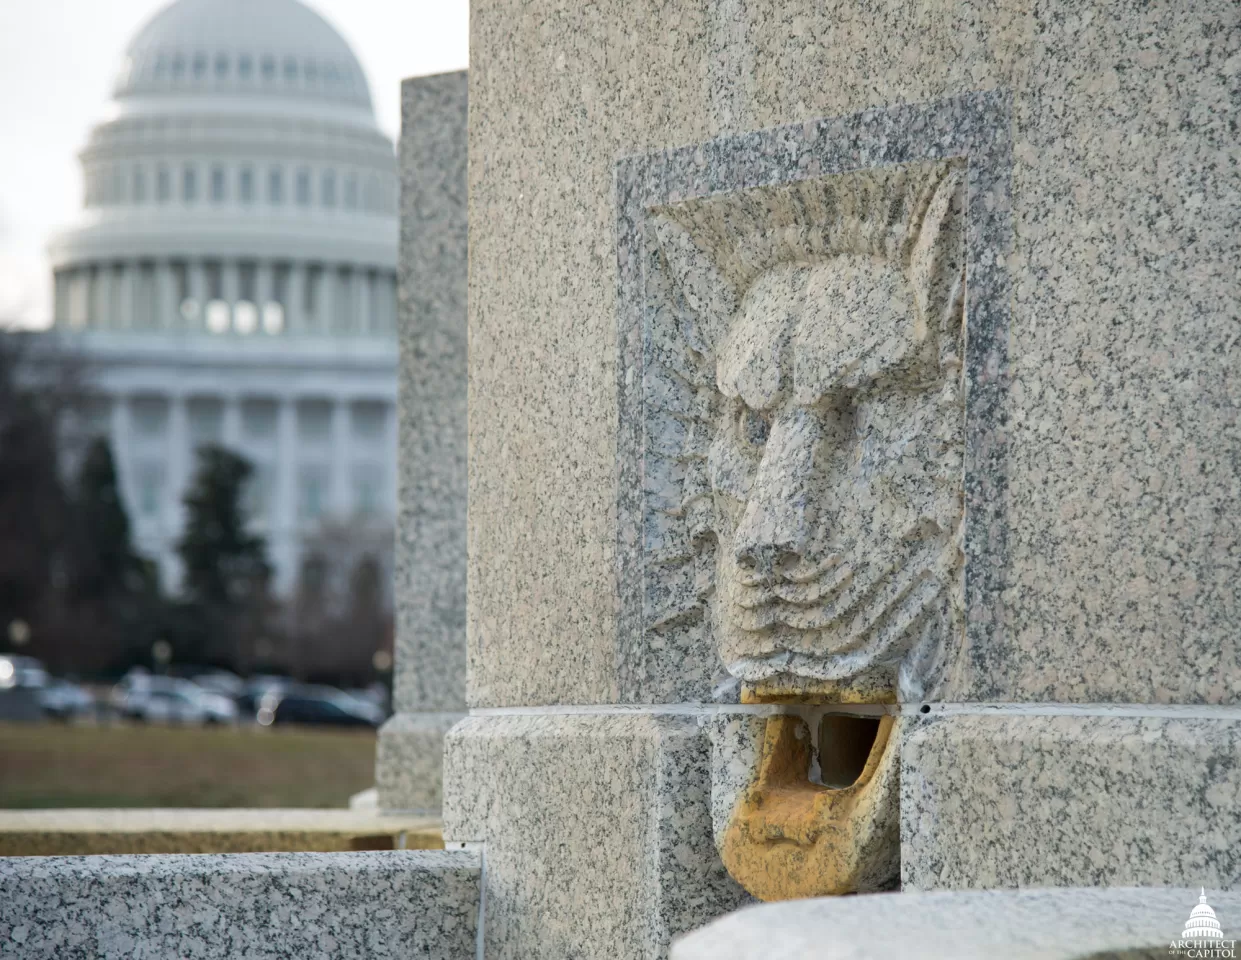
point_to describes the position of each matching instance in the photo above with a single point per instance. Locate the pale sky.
(57, 61)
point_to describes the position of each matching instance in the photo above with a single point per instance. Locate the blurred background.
(198, 244)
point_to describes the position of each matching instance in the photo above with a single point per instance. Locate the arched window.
(218, 316)
(163, 185)
(245, 185)
(275, 186)
(245, 317)
(189, 184)
(273, 318)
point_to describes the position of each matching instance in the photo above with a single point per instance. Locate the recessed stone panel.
(813, 334)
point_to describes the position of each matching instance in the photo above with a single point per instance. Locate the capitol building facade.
(231, 278)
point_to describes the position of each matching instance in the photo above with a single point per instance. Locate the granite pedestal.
(429, 689)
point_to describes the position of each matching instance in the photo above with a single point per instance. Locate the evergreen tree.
(223, 561)
(104, 561)
(33, 501)
(226, 573)
(112, 598)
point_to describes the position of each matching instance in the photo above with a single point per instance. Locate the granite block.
(1068, 924)
(431, 535)
(597, 831)
(1027, 800)
(261, 907)
(1119, 581)
(409, 760)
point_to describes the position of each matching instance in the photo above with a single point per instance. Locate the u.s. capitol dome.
(231, 277)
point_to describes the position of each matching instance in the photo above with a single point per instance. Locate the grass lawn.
(55, 765)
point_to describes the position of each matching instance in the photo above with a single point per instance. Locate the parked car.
(222, 682)
(64, 700)
(376, 693)
(168, 706)
(127, 696)
(22, 672)
(22, 680)
(320, 706)
(259, 687)
(216, 707)
(140, 696)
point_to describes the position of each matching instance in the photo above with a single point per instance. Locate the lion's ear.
(937, 255)
(710, 298)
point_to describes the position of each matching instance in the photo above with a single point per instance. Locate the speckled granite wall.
(1124, 557)
(429, 691)
(343, 906)
(1109, 574)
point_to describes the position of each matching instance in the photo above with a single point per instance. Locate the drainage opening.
(845, 742)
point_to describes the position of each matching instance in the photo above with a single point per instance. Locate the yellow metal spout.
(811, 823)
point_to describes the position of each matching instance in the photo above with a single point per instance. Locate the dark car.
(329, 708)
(258, 690)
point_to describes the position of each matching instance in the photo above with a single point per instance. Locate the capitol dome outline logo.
(1203, 937)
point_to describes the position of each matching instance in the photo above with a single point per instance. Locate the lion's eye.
(752, 427)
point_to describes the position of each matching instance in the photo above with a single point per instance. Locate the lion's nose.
(775, 529)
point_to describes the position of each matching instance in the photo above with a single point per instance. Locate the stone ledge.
(260, 906)
(1063, 924)
(45, 833)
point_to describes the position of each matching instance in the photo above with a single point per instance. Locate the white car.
(141, 696)
(217, 708)
(22, 672)
(168, 706)
(66, 700)
(222, 682)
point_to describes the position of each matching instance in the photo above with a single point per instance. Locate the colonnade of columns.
(285, 456)
(204, 294)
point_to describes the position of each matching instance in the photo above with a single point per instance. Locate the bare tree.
(340, 615)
